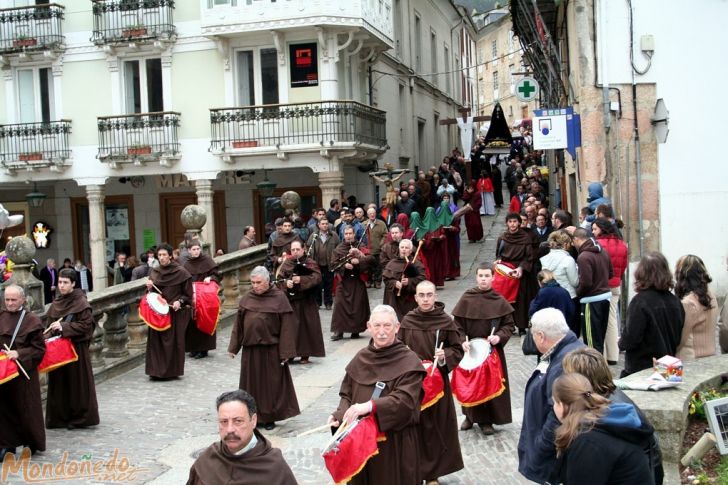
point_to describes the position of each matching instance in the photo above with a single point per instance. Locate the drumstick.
(341, 429)
(314, 430)
(154, 286)
(434, 363)
(18, 363)
(417, 253)
(49, 328)
(399, 290)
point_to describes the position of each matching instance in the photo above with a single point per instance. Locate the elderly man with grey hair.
(384, 380)
(536, 449)
(267, 330)
(401, 277)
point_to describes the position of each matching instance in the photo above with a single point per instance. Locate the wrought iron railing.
(35, 28)
(34, 144)
(139, 135)
(123, 21)
(318, 123)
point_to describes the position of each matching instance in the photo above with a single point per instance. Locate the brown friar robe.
(397, 410)
(303, 300)
(166, 350)
(266, 329)
(438, 429)
(21, 410)
(517, 248)
(200, 268)
(477, 313)
(393, 273)
(390, 251)
(281, 244)
(262, 464)
(351, 302)
(71, 398)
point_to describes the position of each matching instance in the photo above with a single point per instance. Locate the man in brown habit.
(302, 278)
(480, 312)
(166, 350)
(21, 411)
(71, 401)
(422, 330)
(281, 245)
(401, 277)
(204, 269)
(242, 455)
(351, 302)
(385, 361)
(390, 249)
(266, 328)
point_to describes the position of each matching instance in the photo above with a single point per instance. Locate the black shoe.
(201, 355)
(337, 336)
(328, 307)
(193, 355)
(612, 362)
(354, 335)
(269, 426)
(521, 332)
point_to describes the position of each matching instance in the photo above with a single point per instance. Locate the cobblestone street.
(160, 426)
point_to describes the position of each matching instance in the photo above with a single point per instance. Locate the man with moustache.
(401, 277)
(302, 277)
(483, 313)
(21, 410)
(422, 330)
(242, 455)
(390, 249)
(266, 330)
(71, 401)
(384, 379)
(323, 242)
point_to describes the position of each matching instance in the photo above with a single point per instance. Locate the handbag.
(528, 346)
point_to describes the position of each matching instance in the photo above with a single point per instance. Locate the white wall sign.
(549, 132)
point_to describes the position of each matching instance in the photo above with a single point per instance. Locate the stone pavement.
(159, 427)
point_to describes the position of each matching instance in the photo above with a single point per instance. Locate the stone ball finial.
(20, 250)
(291, 200)
(193, 217)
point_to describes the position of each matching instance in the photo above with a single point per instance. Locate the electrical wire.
(647, 54)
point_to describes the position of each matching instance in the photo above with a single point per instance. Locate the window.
(35, 95)
(433, 58)
(269, 75)
(402, 113)
(494, 49)
(448, 75)
(246, 78)
(143, 91)
(222, 3)
(510, 44)
(256, 73)
(418, 44)
(495, 84)
(511, 81)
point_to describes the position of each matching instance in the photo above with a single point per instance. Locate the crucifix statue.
(466, 125)
(392, 177)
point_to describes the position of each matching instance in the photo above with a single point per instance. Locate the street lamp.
(266, 187)
(35, 198)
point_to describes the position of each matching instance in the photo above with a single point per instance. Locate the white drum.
(157, 303)
(479, 351)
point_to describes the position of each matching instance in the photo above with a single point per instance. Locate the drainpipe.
(638, 162)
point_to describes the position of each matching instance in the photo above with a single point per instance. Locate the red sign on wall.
(304, 65)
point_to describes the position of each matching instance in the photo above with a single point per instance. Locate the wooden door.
(170, 210)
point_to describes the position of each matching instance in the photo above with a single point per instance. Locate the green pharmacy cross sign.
(527, 89)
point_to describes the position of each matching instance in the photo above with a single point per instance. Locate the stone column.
(97, 235)
(244, 285)
(97, 342)
(136, 328)
(230, 290)
(115, 335)
(331, 184)
(205, 194)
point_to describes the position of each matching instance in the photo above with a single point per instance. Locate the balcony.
(300, 127)
(120, 22)
(25, 30)
(31, 146)
(239, 16)
(139, 138)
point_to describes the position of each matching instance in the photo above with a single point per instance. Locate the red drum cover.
(207, 306)
(59, 352)
(474, 387)
(155, 320)
(8, 368)
(347, 458)
(434, 386)
(504, 284)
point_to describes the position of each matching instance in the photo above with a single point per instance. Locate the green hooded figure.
(430, 222)
(416, 225)
(445, 215)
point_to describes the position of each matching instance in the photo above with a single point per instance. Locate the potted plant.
(24, 41)
(136, 150)
(134, 31)
(30, 157)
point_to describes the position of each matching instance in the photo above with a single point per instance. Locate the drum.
(154, 311)
(479, 376)
(207, 306)
(59, 352)
(433, 385)
(8, 368)
(504, 284)
(351, 448)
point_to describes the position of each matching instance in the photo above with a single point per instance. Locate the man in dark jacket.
(324, 241)
(536, 448)
(595, 269)
(405, 204)
(333, 213)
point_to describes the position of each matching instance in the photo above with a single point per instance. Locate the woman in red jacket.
(605, 232)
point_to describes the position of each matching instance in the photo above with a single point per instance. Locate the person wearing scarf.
(165, 357)
(451, 228)
(515, 246)
(435, 248)
(71, 401)
(204, 269)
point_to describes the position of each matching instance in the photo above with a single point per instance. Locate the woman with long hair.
(597, 442)
(655, 316)
(701, 308)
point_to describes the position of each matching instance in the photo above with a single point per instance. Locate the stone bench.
(667, 409)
